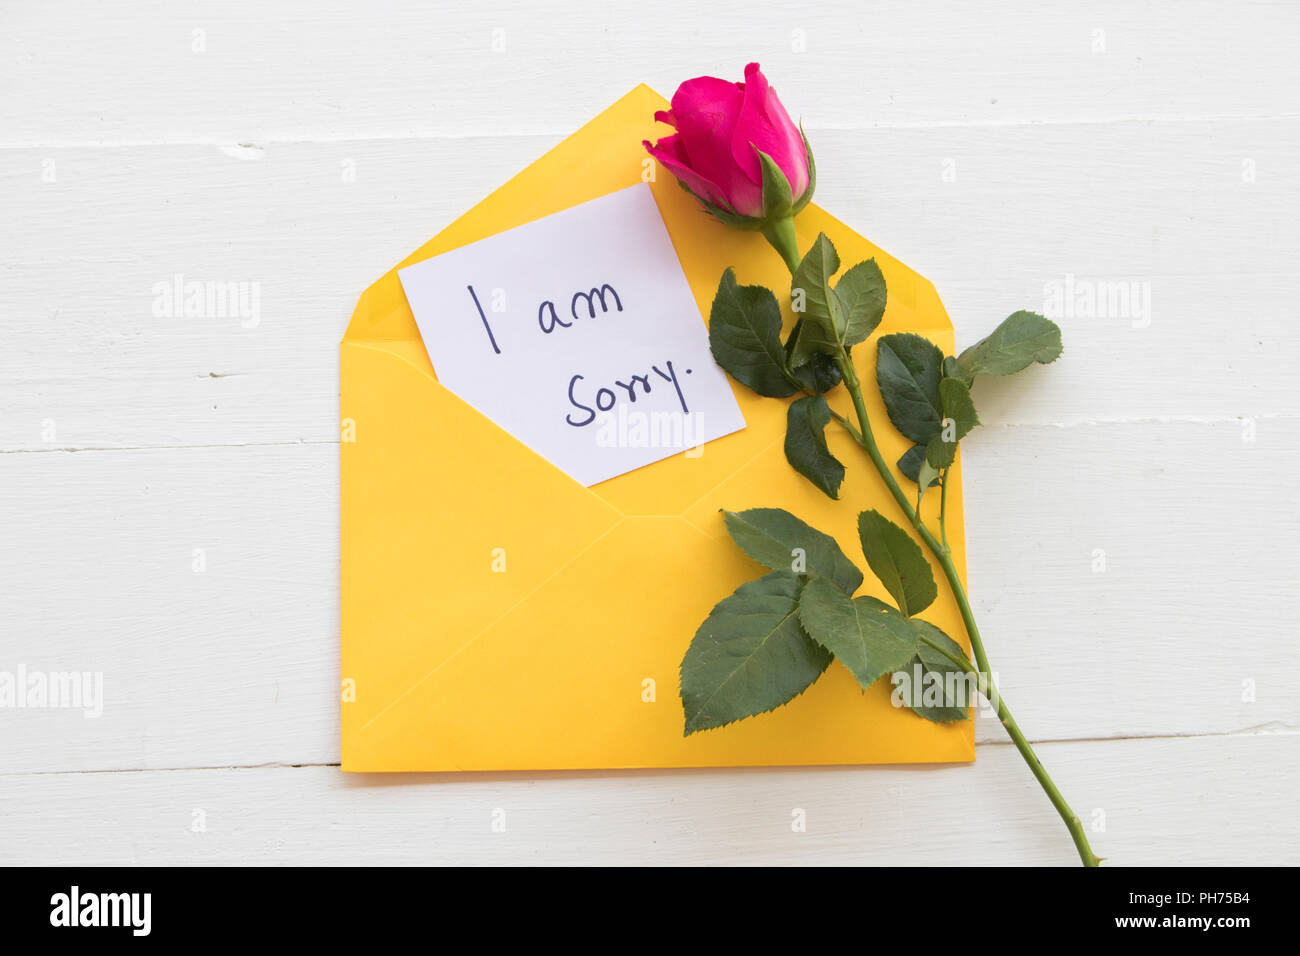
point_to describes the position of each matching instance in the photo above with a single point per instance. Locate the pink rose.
(721, 129)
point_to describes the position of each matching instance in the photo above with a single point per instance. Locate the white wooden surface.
(996, 150)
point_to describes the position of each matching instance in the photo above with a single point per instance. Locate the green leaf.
(778, 540)
(819, 263)
(750, 655)
(940, 454)
(926, 477)
(908, 369)
(1022, 339)
(813, 340)
(777, 200)
(819, 373)
(930, 661)
(861, 292)
(954, 396)
(958, 419)
(898, 562)
(805, 444)
(868, 637)
(823, 314)
(910, 464)
(745, 337)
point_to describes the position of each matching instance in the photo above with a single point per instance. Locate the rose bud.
(739, 153)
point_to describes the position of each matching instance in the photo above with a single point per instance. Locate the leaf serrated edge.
(688, 729)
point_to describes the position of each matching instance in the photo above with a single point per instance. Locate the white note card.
(578, 335)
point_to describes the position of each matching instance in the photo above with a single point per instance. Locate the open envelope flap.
(498, 615)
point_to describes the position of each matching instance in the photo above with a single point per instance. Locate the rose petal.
(704, 112)
(765, 125)
(707, 94)
(668, 152)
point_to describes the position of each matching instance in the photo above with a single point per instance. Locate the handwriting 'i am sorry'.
(583, 305)
(548, 320)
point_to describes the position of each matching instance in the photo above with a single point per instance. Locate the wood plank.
(1161, 802)
(78, 72)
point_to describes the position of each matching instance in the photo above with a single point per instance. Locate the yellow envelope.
(497, 615)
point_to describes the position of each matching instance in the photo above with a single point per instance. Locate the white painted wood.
(998, 149)
(324, 70)
(1164, 801)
